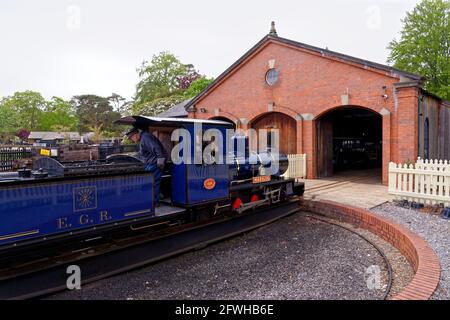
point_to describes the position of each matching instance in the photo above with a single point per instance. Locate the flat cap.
(131, 132)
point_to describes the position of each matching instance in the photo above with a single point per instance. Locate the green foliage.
(9, 122)
(9, 119)
(164, 82)
(424, 45)
(197, 86)
(58, 116)
(120, 104)
(29, 110)
(28, 106)
(158, 105)
(159, 78)
(95, 113)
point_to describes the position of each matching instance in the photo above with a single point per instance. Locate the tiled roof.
(177, 111)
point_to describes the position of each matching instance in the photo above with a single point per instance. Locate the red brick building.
(329, 106)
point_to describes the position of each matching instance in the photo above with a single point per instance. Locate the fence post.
(392, 177)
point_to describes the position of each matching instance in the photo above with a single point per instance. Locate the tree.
(23, 134)
(58, 115)
(162, 77)
(29, 106)
(94, 112)
(185, 80)
(9, 122)
(157, 106)
(198, 86)
(424, 45)
(120, 104)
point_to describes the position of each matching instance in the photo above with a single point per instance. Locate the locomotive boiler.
(246, 164)
(56, 201)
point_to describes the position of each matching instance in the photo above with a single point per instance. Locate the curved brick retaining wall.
(414, 248)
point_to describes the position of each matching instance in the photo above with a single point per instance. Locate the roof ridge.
(346, 56)
(276, 38)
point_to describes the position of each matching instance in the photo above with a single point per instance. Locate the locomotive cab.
(190, 180)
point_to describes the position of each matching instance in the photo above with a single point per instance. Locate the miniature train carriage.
(206, 177)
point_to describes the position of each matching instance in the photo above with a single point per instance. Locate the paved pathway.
(358, 188)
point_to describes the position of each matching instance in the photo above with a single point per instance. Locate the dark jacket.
(151, 151)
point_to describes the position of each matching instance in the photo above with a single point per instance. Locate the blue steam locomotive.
(57, 201)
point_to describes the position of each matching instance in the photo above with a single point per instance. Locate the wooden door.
(287, 130)
(324, 148)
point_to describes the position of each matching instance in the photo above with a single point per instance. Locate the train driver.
(152, 153)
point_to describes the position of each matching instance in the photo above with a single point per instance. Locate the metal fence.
(426, 181)
(9, 154)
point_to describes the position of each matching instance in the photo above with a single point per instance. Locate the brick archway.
(225, 115)
(329, 110)
(321, 152)
(226, 119)
(288, 112)
(285, 124)
(275, 108)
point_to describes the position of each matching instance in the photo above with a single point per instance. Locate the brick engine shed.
(329, 106)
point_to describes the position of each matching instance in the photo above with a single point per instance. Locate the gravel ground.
(295, 258)
(434, 230)
(402, 272)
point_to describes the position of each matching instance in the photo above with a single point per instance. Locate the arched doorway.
(286, 126)
(348, 138)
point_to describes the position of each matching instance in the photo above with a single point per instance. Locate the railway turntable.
(60, 208)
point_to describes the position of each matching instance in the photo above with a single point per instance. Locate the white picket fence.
(297, 166)
(426, 181)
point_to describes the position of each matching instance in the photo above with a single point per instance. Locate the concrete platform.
(360, 188)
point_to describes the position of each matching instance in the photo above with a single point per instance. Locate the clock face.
(272, 77)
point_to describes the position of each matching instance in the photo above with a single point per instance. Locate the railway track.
(50, 275)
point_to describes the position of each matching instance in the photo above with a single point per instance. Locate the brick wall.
(309, 86)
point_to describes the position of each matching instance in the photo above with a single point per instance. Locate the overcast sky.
(64, 48)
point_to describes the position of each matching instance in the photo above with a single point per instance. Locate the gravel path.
(295, 258)
(432, 229)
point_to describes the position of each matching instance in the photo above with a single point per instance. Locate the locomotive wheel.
(236, 203)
